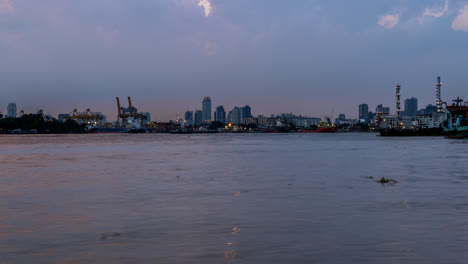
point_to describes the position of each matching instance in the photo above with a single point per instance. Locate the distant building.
(64, 117)
(382, 110)
(189, 117)
(411, 107)
(236, 116)
(229, 117)
(206, 110)
(246, 112)
(146, 118)
(220, 114)
(198, 117)
(429, 110)
(341, 116)
(11, 110)
(305, 121)
(380, 113)
(363, 111)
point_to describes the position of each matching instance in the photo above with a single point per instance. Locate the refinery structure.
(411, 117)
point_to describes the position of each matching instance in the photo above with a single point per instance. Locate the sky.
(311, 57)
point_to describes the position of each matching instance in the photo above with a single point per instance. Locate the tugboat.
(456, 124)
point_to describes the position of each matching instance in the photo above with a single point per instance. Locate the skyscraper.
(206, 108)
(220, 114)
(246, 112)
(189, 117)
(236, 116)
(11, 110)
(198, 117)
(363, 111)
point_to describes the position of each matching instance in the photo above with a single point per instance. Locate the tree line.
(35, 122)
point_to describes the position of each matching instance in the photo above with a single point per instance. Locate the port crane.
(123, 116)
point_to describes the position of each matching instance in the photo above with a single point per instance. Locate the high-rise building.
(11, 110)
(411, 107)
(198, 117)
(363, 111)
(341, 117)
(220, 114)
(236, 116)
(206, 110)
(246, 112)
(229, 117)
(188, 116)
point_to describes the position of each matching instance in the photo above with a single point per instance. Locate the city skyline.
(363, 112)
(314, 58)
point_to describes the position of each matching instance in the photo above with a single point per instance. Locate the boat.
(135, 131)
(274, 129)
(323, 127)
(107, 130)
(456, 124)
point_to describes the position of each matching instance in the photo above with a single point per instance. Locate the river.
(232, 198)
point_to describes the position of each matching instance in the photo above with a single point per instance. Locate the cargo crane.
(85, 117)
(131, 114)
(120, 114)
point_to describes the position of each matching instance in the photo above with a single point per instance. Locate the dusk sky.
(316, 58)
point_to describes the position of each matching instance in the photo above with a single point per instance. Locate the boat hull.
(457, 135)
(322, 130)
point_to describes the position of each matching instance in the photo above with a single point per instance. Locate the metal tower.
(438, 100)
(397, 88)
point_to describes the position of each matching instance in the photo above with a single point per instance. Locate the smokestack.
(438, 100)
(397, 88)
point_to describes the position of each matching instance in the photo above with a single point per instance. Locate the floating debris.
(107, 235)
(235, 230)
(383, 180)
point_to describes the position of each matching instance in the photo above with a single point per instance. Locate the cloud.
(211, 48)
(461, 21)
(207, 5)
(435, 11)
(389, 21)
(6, 6)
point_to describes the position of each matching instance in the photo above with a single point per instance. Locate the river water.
(240, 198)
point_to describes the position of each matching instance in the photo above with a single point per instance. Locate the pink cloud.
(6, 6)
(389, 21)
(461, 21)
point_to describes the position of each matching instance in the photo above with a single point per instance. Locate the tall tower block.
(398, 109)
(438, 100)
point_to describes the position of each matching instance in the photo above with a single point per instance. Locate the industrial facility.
(92, 119)
(130, 117)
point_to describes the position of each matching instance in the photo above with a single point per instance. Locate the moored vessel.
(456, 124)
(323, 127)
